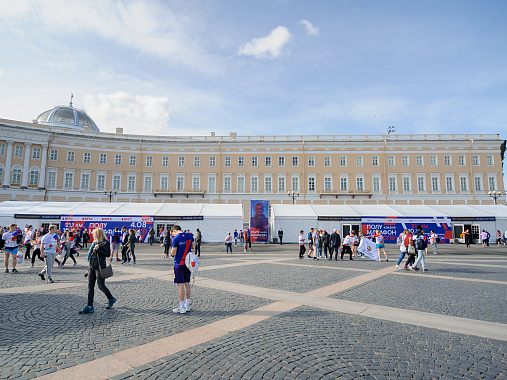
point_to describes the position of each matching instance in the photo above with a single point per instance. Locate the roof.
(67, 117)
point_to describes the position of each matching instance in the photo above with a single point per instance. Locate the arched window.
(34, 177)
(16, 175)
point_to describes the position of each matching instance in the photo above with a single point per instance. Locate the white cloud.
(310, 29)
(136, 114)
(270, 46)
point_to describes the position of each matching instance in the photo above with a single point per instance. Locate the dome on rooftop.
(67, 117)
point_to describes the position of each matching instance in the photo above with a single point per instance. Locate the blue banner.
(259, 222)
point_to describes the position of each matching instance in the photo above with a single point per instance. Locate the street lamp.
(391, 129)
(110, 194)
(495, 195)
(293, 194)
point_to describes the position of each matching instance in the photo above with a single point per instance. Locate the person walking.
(99, 251)
(315, 240)
(228, 243)
(69, 248)
(86, 237)
(319, 245)
(485, 238)
(181, 245)
(167, 244)
(198, 240)
(245, 239)
(27, 241)
(116, 242)
(151, 236)
(403, 248)
(132, 245)
(50, 246)
(325, 243)
(498, 237)
(10, 238)
(433, 241)
(468, 238)
(420, 245)
(36, 248)
(335, 241)
(124, 245)
(347, 241)
(409, 243)
(235, 238)
(379, 241)
(310, 242)
(249, 238)
(280, 236)
(241, 238)
(301, 245)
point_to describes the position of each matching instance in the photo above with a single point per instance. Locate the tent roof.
(334, 210)
(376, 210)
(494, 210)
(417, 210)
(179, 209)
(138, 209)
(460, 211)
(16, 207)
(220, 210)
(300, 211)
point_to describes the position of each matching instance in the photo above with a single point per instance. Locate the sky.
(259, 67)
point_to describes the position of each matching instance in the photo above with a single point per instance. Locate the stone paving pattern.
(458, 298)
(309, 343)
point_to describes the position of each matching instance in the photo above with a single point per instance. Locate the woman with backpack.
(420, 246)
(409, 243)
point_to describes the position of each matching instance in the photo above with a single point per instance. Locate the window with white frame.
(490, 160)
(212, 184)
(53, 155)
(311, 161)
(268, 162)
(359, 183)
(148, 183)
(164, 183)
(165, 161)
(492, 183)
(68, 180)
(295, 183)
(359, 160)
(2, 149)
(311, 183)
(404, 161)
(406, 183)
(181, 161)
(281, 161)
(36, 153)
(463, 183)
(374, 161)
(449, 184)
(447, 160)
(255, 162)
(343, 160)
(461, 160)
(392, 184)
(376, 184)
(268, 184)
(254, 183)
(149, 161)
(101, 181)
(433, 160)
(212, 162)
(419, 161)
(327, 184)
(390, 160)
(478, 183)
(196, 183)
(116, 182)
(85, 181)
(197, 161)
(71, 156)
(18, 151)
(131, 182)
(227, 161)
(102, 159)
(87, 157)
(1, 174)
(241, 184)
(327, 161)
(435, 183)
(241, 161)
(227, 183)
(133, 161)
(421, 183)
(295, 161)
(117, 159)
(281, 183)
(344, 184)
(180, 183)
(34, 177)
(51, 179)
(476, 161)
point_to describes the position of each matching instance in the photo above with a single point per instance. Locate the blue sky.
(259, 67)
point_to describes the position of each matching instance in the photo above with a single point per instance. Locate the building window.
(227, 161)
(461, 160)
(69, 180)
(435, 183)
(419, 161)
(463, 182)
(227, 184)
(147, 183)
(281, 161)
(197, 161)
(212, 184)
(241, 184)
(268, 162)
(295, 161)
(196, 183)
(212, 162)
(18, 151)
(406, 183)
(475, 161)
(241, 161)
(447, 161)
(254, 162)
(374, 161)
(311, 183)
(1, 174)
(16, 176)
(180, 183)
(36, 153)
(295, 183)
(404, 161)
(267, 184)
(311, 161)
(149, 160)
(281, 183)
(85, 181)
(327, 183)
(70, 156)
(433, 160)
(254, 184)
(359, 160)
(34, 177)
(449, 184)
(327, 161)
(343, 161)
(392, 183)
(51, 179)
(165, 161)
(117, 159)
(420, 184)
(131, 183)
(133, 161)
(102, 159)
(390, 160)
(359, 183)
(2, 149)
(164, 183)
(53, 155)
(181, 162)
(87, 157)
(116, 182)
(343, 184)
(478, 183)
(376, 184)
(492, 183)
(101, 181)
(490, 160)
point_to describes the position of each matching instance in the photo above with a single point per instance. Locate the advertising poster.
(108, 223)
(259, 223)
(392, 227)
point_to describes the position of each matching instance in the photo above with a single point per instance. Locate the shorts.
(181, 274)
(11, 250)
(381, 245)
(356, 244)
(116, 246)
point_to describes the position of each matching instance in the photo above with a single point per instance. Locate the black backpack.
(419, 243)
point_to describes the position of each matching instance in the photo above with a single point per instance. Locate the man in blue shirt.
(182, 244)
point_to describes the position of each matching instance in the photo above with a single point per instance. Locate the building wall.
(391, 169)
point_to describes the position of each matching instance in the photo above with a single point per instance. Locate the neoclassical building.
(63, 156)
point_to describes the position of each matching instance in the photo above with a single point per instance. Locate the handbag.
(107, 271)
(411, 249)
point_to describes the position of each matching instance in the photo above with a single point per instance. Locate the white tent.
(292, 219)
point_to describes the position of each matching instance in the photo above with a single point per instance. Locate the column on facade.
(26, 165)
(42, 177)
(8, 160)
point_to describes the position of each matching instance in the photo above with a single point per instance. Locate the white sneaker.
(181, 310)
(397, 266)
(187, 308)
(30, 267)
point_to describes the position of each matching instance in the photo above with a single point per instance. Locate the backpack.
(192, 262)
(419, 243)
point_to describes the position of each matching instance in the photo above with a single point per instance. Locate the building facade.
(62, 156)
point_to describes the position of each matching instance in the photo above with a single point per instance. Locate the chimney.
(119, 130)
(212, 134)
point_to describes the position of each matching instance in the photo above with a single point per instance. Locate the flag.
(368, 248)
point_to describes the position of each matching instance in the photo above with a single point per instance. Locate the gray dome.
(67, 117)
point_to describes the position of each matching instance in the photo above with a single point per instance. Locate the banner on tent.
(368, 248)
(172, 217)
(35, 216)
(343, 218)
(259, 223)
(107, 223)
(392, 227)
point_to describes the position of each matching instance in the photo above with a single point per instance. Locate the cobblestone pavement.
(310, 343)
(41, 332)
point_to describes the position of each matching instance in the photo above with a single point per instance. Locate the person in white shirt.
(28, 241)
(11, 247)
(301, 244)
(347, 241)
(50, 246)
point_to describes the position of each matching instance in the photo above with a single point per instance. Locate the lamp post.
(391, 129)
(495, 195)
(110, 194)
(293, 194)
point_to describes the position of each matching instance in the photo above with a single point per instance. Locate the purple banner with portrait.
(259, 221)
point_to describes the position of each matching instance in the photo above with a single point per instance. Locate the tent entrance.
(346, 228)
